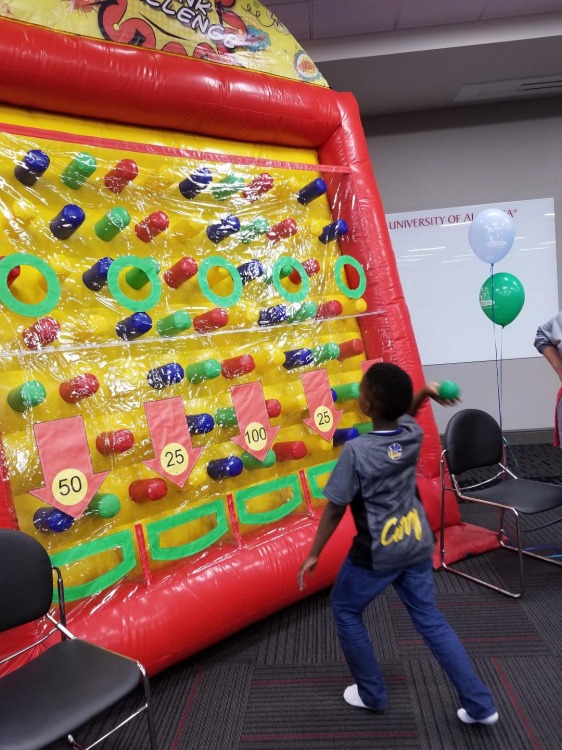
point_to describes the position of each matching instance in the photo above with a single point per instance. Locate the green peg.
(285, 271)
(347, 391)
(77, 172)
(27, 395)
(112, 223)
(226, 187)
(325, 352)
(174, 323)
(251, 462)
(200, 371)
(104, 504)
(254, 229)
(303, 311)
(226, 417)
(363, 427)
(136, 277)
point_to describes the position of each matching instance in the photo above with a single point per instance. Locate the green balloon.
(502, 298)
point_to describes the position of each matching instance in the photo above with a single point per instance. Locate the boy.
(376, 476)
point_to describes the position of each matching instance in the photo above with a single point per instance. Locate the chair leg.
(501, 534)
(518, 548)
(146, 708)
(74, 744)
(149, 714)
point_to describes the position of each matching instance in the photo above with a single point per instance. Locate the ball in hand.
(448, 390)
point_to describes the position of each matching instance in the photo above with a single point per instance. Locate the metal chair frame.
(59, 626)
(460, 491)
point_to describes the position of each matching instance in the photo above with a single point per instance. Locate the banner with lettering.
(232, 32)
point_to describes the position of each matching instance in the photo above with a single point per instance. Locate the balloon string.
(498, 361)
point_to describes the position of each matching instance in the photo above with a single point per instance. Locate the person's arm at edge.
(550, 353)
(329, 521)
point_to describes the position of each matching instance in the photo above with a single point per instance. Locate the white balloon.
(491, 234)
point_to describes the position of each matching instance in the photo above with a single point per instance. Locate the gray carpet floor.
(278, 684)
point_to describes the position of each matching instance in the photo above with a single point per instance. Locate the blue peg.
(95, 278)
(333, 231)
(218, 232)
(34, 164)
(341, 436)
(313, 190)
(134, 326)
(221, 468)
(195, 183)
(297, 358)
(160, 377)
(67, 221)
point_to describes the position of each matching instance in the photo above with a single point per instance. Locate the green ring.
(347, 260)
(23, 308)
(113, 283)
(280, 263)
(218, 261)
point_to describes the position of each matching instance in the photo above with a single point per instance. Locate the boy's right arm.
(329, 520)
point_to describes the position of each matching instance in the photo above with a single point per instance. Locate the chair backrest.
(26, 579)
(473, 439)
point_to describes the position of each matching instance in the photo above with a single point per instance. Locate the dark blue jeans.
(356, 587)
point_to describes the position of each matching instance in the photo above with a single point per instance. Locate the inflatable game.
(195, 271)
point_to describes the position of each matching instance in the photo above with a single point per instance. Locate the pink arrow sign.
(368, 362)
(70, 482)
(175, 456)
(324, 417)
(256, 434)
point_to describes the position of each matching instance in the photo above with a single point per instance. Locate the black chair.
(70, 682)
(473, 440)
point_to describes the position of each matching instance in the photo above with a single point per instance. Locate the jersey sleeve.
(545, 335)
(343, 483)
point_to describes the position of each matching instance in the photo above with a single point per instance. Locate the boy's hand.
(308, 566)
(432, 390)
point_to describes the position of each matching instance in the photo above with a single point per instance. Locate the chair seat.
(525, 495)
(62, 688)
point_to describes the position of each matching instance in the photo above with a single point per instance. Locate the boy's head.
(386, 391)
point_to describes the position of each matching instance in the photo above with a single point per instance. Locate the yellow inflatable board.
(151, 273)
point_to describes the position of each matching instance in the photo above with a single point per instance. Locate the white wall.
(478, 155)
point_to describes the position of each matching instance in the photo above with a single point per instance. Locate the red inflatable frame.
(51, 71)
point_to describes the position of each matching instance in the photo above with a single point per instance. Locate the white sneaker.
(351, 696)
(466, 718)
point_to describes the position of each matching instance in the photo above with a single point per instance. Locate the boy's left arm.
(430, 390)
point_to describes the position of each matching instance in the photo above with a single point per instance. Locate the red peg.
(153, 225)
(273, 407)
(351, 349)
(181, 271)
(233, 368)
(258, 186)
(147, 490)
(311, 266)
(281, 231)
(330, 309)
(13, 274)
(211, 320)
(41, 333)
(82, 386)
(119, 441)
(290, 451)
(119, 177)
